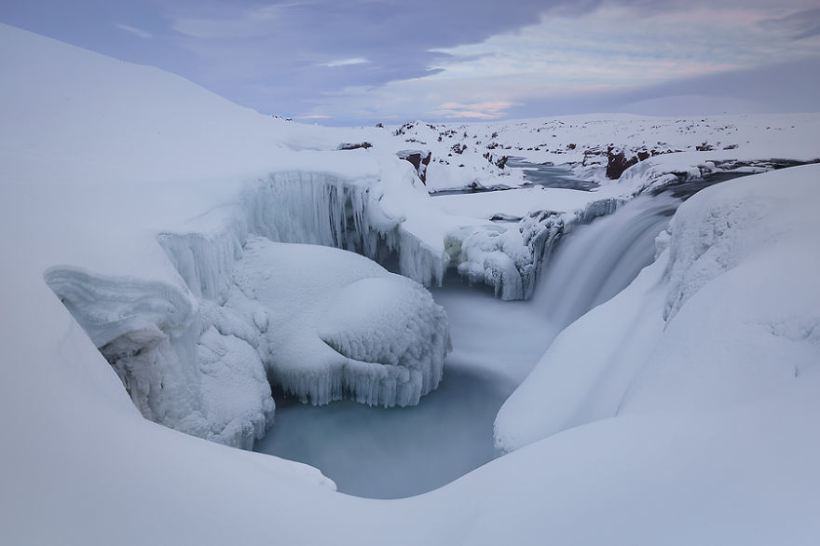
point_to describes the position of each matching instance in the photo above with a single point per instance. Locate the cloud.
(346, 62)
(538, 56)
(275, 56)
(476, 110)
(144, 34)
(801, 24)
(588, 60)
(247, 23)
(314, 117)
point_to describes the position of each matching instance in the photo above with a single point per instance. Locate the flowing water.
(535, 174)
(598, 260)
(550, 176)
(399, 452)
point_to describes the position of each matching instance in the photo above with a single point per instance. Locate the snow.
(581, 142)
(725, 316)
(692, 394)
(338, 325)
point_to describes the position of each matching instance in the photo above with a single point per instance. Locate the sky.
(346, 62)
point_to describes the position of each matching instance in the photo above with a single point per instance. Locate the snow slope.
(727, 315)
(87, 181)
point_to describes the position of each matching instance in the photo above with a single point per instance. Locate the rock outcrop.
(420, 159)
(354, 145)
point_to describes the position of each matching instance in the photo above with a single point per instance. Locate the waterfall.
(596, 261)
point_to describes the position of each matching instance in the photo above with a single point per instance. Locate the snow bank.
(726, 315)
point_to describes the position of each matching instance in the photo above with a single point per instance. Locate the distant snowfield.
(682, 411)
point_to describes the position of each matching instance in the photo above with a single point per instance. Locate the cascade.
(597, 260)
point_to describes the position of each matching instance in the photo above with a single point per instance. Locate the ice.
(178, 368)
(338, 325)
(324, 324)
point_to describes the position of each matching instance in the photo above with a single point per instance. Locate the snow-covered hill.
(135, 194)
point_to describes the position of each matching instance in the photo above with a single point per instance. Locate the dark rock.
(419, 159)
(403, 129)
(617, 162)
(354, 145)
(458, 148)
(502, 217)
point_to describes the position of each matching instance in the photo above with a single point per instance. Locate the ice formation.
(192, 371)
(196, 362)
(334, 324)
(508, 258)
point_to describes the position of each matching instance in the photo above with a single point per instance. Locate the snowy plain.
(690, 419)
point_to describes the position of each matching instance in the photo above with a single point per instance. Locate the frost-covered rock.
(337, 325)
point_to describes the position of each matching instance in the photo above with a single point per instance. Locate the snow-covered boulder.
(729, 313)
(337, 325)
